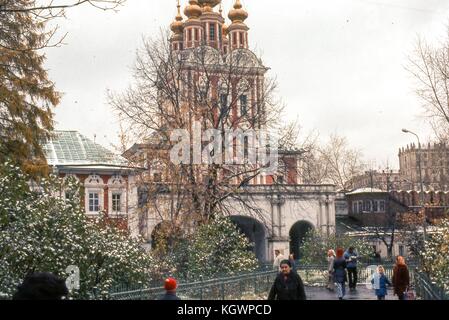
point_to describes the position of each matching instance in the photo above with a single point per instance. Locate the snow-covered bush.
(43, 231)
(435, 257)
(219, 248)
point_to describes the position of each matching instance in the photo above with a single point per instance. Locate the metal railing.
(250, 286)
(228, 288)
(428, 290)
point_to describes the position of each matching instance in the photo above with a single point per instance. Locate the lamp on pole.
(420, 181)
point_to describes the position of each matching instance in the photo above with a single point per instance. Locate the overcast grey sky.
(339, 64)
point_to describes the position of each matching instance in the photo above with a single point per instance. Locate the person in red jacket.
(401, 278)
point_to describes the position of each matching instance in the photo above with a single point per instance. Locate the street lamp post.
(421, 182)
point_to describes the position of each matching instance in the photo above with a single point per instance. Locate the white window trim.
(114, 187)
(100, 192)
(123, 199)
(94, 188)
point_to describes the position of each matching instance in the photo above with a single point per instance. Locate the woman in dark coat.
(340, 275)
(401, 278)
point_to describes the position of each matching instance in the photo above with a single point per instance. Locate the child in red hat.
(170, 286)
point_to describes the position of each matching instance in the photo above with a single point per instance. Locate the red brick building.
(105, 178)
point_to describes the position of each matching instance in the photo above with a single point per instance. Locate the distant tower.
(177, 28)
(193, 28)
(238, 30)
(204, 26)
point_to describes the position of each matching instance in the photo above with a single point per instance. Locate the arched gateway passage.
(297, 236)
(255, 232)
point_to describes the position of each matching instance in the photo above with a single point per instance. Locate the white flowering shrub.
(435, 257)
(219, 248)
(42, 231)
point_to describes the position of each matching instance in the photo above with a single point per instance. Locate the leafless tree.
(176, 89)
(51, 8)
(341, 163)
(42, 12)
(430, 67)
(312, 168)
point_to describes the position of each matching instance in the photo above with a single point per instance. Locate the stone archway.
(256, 234)
(297, 236)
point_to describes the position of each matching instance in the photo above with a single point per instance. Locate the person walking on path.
(291, 258)
(380, 283)
(330, 269)
(340, 276)
(170, 286)
(277, 260)
(288, 285)
(351, 260)
(401, 278)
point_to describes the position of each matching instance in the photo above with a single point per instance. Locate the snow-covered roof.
(70, 148)
(366, 190)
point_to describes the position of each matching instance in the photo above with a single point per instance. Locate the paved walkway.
(362, 293)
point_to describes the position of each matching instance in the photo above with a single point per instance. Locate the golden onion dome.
(210, 4)
(193, 10)
(177, 26)
(225, 29)
(238, 15)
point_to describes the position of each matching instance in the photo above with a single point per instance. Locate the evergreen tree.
(26, 94)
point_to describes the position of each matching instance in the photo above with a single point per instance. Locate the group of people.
(342, 266)
(289, 286)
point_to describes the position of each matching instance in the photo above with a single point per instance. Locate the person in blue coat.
(380, 283)
(351, 260)
(291, 258)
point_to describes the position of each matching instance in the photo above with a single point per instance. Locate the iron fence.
(229, 288)
(250, 286)
(428, 290)
(317, 275)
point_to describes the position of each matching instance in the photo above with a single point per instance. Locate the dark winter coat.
(401, 279)
(293, 263)
(169, 296)
(340, 274)
(351, 259)
(291, 288)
